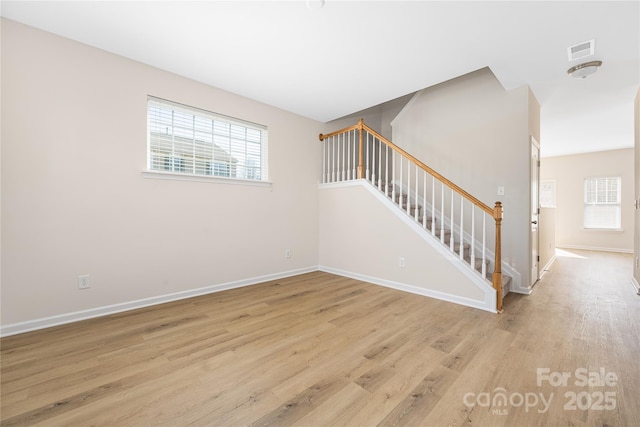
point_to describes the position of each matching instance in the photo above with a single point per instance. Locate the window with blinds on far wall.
(187, 140)
(602, 203)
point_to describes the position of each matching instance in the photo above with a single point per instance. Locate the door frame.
(534, 211)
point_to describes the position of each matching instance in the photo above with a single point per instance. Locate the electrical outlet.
(83, 282)
(401, 262)
(500, 191)
(287, 253)
(637, 262)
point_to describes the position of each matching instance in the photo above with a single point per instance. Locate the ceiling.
(328, 62)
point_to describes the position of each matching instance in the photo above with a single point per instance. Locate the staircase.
(429, 223)
(445, 212)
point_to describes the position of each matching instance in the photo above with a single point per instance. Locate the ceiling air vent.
(581, 50)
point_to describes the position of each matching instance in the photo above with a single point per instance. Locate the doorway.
(535, 211)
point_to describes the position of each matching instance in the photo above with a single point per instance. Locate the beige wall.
(569, 173)
(361, 236)
(477, 135)
(74, 200)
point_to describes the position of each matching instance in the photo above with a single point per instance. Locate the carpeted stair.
(506, 280)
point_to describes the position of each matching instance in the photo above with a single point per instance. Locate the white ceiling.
(326, 63)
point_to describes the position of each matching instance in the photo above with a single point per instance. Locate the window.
(602, 207)
(186, 140)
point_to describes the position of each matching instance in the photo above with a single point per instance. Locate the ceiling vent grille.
(581, 50)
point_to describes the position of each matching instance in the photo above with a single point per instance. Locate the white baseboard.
(547, 267)
(516, 279)
(46, 322)
(489, 304)
(596, 248)
(635, 285)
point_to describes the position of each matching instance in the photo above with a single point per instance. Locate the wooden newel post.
(360, 150)
(497, 270)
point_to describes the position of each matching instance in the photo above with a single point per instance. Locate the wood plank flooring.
(323, 350)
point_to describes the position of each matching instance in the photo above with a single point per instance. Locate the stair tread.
(506, 283)
(401, 200)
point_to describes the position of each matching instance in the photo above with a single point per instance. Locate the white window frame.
(199, 145)
(600, 203)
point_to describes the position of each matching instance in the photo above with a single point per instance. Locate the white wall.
(547, 241)
(569, 173)
(363, 235)
(74, 200)
(636, 264)
(476, 134)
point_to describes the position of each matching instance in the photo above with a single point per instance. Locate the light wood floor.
(321, 350)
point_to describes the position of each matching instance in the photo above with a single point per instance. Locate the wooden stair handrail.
(338, 132)
(497, 267)
(362, 126)
(496, 212)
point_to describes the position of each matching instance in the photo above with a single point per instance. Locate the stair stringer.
(342, 207)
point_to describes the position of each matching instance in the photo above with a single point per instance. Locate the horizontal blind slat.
(190, 140)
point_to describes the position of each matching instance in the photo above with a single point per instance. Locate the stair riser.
(387, 189)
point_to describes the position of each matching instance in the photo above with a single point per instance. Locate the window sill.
(615, 230)
(204, 178)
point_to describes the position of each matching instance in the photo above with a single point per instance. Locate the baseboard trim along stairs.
(395, 196)
(334, 257)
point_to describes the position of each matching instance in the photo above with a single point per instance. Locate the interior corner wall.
(74, 200)
(534, 116)
(569, 173)
(636, 234)
(476, 134)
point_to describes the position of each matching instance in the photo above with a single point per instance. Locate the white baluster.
(333, 143)
(345, 152)
(336, 155)
(356, 160)
(338, 164)
(473, 236)
(415, 214)
(461, 227)
(367, 175)
(374, 172)
(380, 166)
(424, 199)
(324, 161)
(409, 187)
(348, 146)
(433, 205)
(400, 185)
(484, 244)
(442, 212)
(451, 226)
(328, 142)
(386, 169)
(393, 175)
(344, 157)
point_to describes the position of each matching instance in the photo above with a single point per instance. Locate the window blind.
(189, 140)
(602, 203)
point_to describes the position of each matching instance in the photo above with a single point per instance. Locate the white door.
(535, 210)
